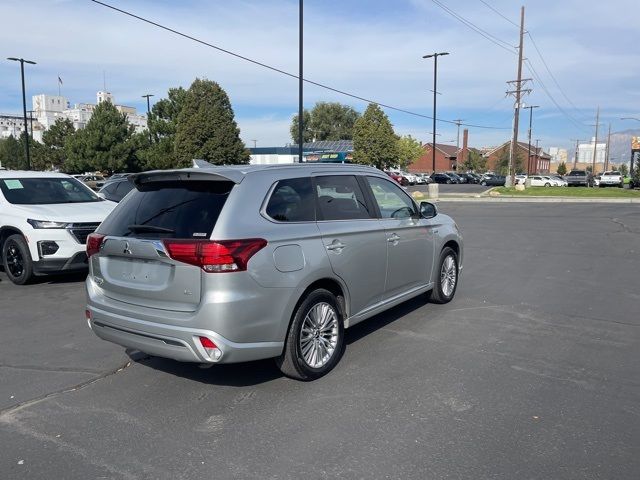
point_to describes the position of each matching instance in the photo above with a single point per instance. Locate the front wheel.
(547, 184)
(484, 184)
(16, 260)
(447, 279)
(315, 340)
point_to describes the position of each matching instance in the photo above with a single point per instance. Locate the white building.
(49, 108)
(11, 125)
(558, 155)
(585, 152)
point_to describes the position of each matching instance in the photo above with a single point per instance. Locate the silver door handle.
(393, 239)
(337, 246)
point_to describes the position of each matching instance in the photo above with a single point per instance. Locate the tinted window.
(123, 188)
(40, 191)
(391, 199)
(340, 198)
(176, 209)
(292, 201)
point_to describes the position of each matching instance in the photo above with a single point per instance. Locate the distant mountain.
(620, 148)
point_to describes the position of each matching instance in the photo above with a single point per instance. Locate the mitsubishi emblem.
(126, 248)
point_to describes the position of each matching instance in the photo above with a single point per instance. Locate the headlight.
(46, 224)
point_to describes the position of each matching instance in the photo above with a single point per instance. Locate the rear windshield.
(46, 191)
(576, 173)
(186, 209)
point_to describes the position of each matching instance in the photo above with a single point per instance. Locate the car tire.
(448, 182)
(16, 260)
(483, 183)
(447, 277)
(299, 359)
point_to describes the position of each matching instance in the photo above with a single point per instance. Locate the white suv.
(45, 219)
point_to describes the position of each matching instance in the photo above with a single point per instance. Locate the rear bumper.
(176, 342)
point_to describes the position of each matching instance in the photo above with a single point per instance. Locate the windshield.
(576, 173)
(43, 191)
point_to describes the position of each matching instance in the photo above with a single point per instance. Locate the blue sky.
(370, 48)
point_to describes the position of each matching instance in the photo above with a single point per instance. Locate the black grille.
(81, 231)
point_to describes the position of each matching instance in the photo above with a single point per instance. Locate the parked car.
(611, 178)
(579, 178)
(94, 182)
(520, 179)
(457, 177)
(441, 178)
(409, 178)
(188, 265)
(558, 180)
(468, 177)
(115, 190)
(45, 219)
(596, 180)
(540, 181)
(400, 180)
(494, 181)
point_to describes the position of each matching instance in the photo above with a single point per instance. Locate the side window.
(292, 201)
(392, 201)
(340, 198)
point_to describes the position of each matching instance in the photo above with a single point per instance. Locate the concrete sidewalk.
(516, 199)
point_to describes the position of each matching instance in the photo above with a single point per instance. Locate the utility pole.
(518, 96)
(300, 83)
(537, 155)
(255, 143)
(458, 122)
(606, 159)
(530, 107)
(575, 156)
(24, 107)
(595, 143)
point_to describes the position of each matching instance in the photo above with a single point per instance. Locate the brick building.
(539, 161)
(446, 157)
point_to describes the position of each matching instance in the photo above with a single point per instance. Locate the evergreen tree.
(562, 168)
(206, 128)
(12, 154)
(624, 170)
(103, 145)
(159, 152)
(374, 142)
(307, 134)
(54, 139)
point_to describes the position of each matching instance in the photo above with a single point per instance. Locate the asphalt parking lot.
(443, 188)
(533, 371)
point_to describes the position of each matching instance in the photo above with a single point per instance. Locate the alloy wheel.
(448, 275)
(319, 335)
(15, 261)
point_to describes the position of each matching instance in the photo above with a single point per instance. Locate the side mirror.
(428, 210)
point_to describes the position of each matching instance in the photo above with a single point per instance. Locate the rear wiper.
(149, 229)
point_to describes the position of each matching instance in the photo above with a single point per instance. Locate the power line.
(283, 72)
(550, 73)
(492, 38)
(546, 90)
(500, 14)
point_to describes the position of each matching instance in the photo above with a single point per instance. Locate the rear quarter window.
(292, 200)
(186, 209)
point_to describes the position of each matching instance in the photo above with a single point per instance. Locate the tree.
(12, 154)
(562, 168)
(409, 150)
(475, 162)
(307, 134)
(155, 149)
(326, 121)
(103, 145)
(502, 167)
(374, 142)
(624, 170)
(589, 168)
(206, 128)
(54, 140)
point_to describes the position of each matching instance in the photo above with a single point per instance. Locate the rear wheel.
(547, 184)
(447, 279)
(16, 260)
(315, 340)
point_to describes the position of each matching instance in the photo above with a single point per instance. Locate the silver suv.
(231, 264)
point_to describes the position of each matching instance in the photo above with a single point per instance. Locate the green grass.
(608, 192)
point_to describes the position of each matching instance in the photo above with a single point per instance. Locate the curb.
(514, 199)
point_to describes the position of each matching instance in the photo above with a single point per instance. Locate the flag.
(59, 80)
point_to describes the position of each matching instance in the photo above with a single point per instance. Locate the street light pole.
(300, 83)
(147, 96)
(530, 107)
(24, 107)
(435, 94)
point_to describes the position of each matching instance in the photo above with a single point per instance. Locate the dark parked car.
(441, 178)
(494, 181)
(116, 190)
(457, 178)
(470, 178)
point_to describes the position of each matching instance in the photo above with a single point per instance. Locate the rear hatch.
(134, 265)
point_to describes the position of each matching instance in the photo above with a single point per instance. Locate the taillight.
(94, 241)
(215, 256)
